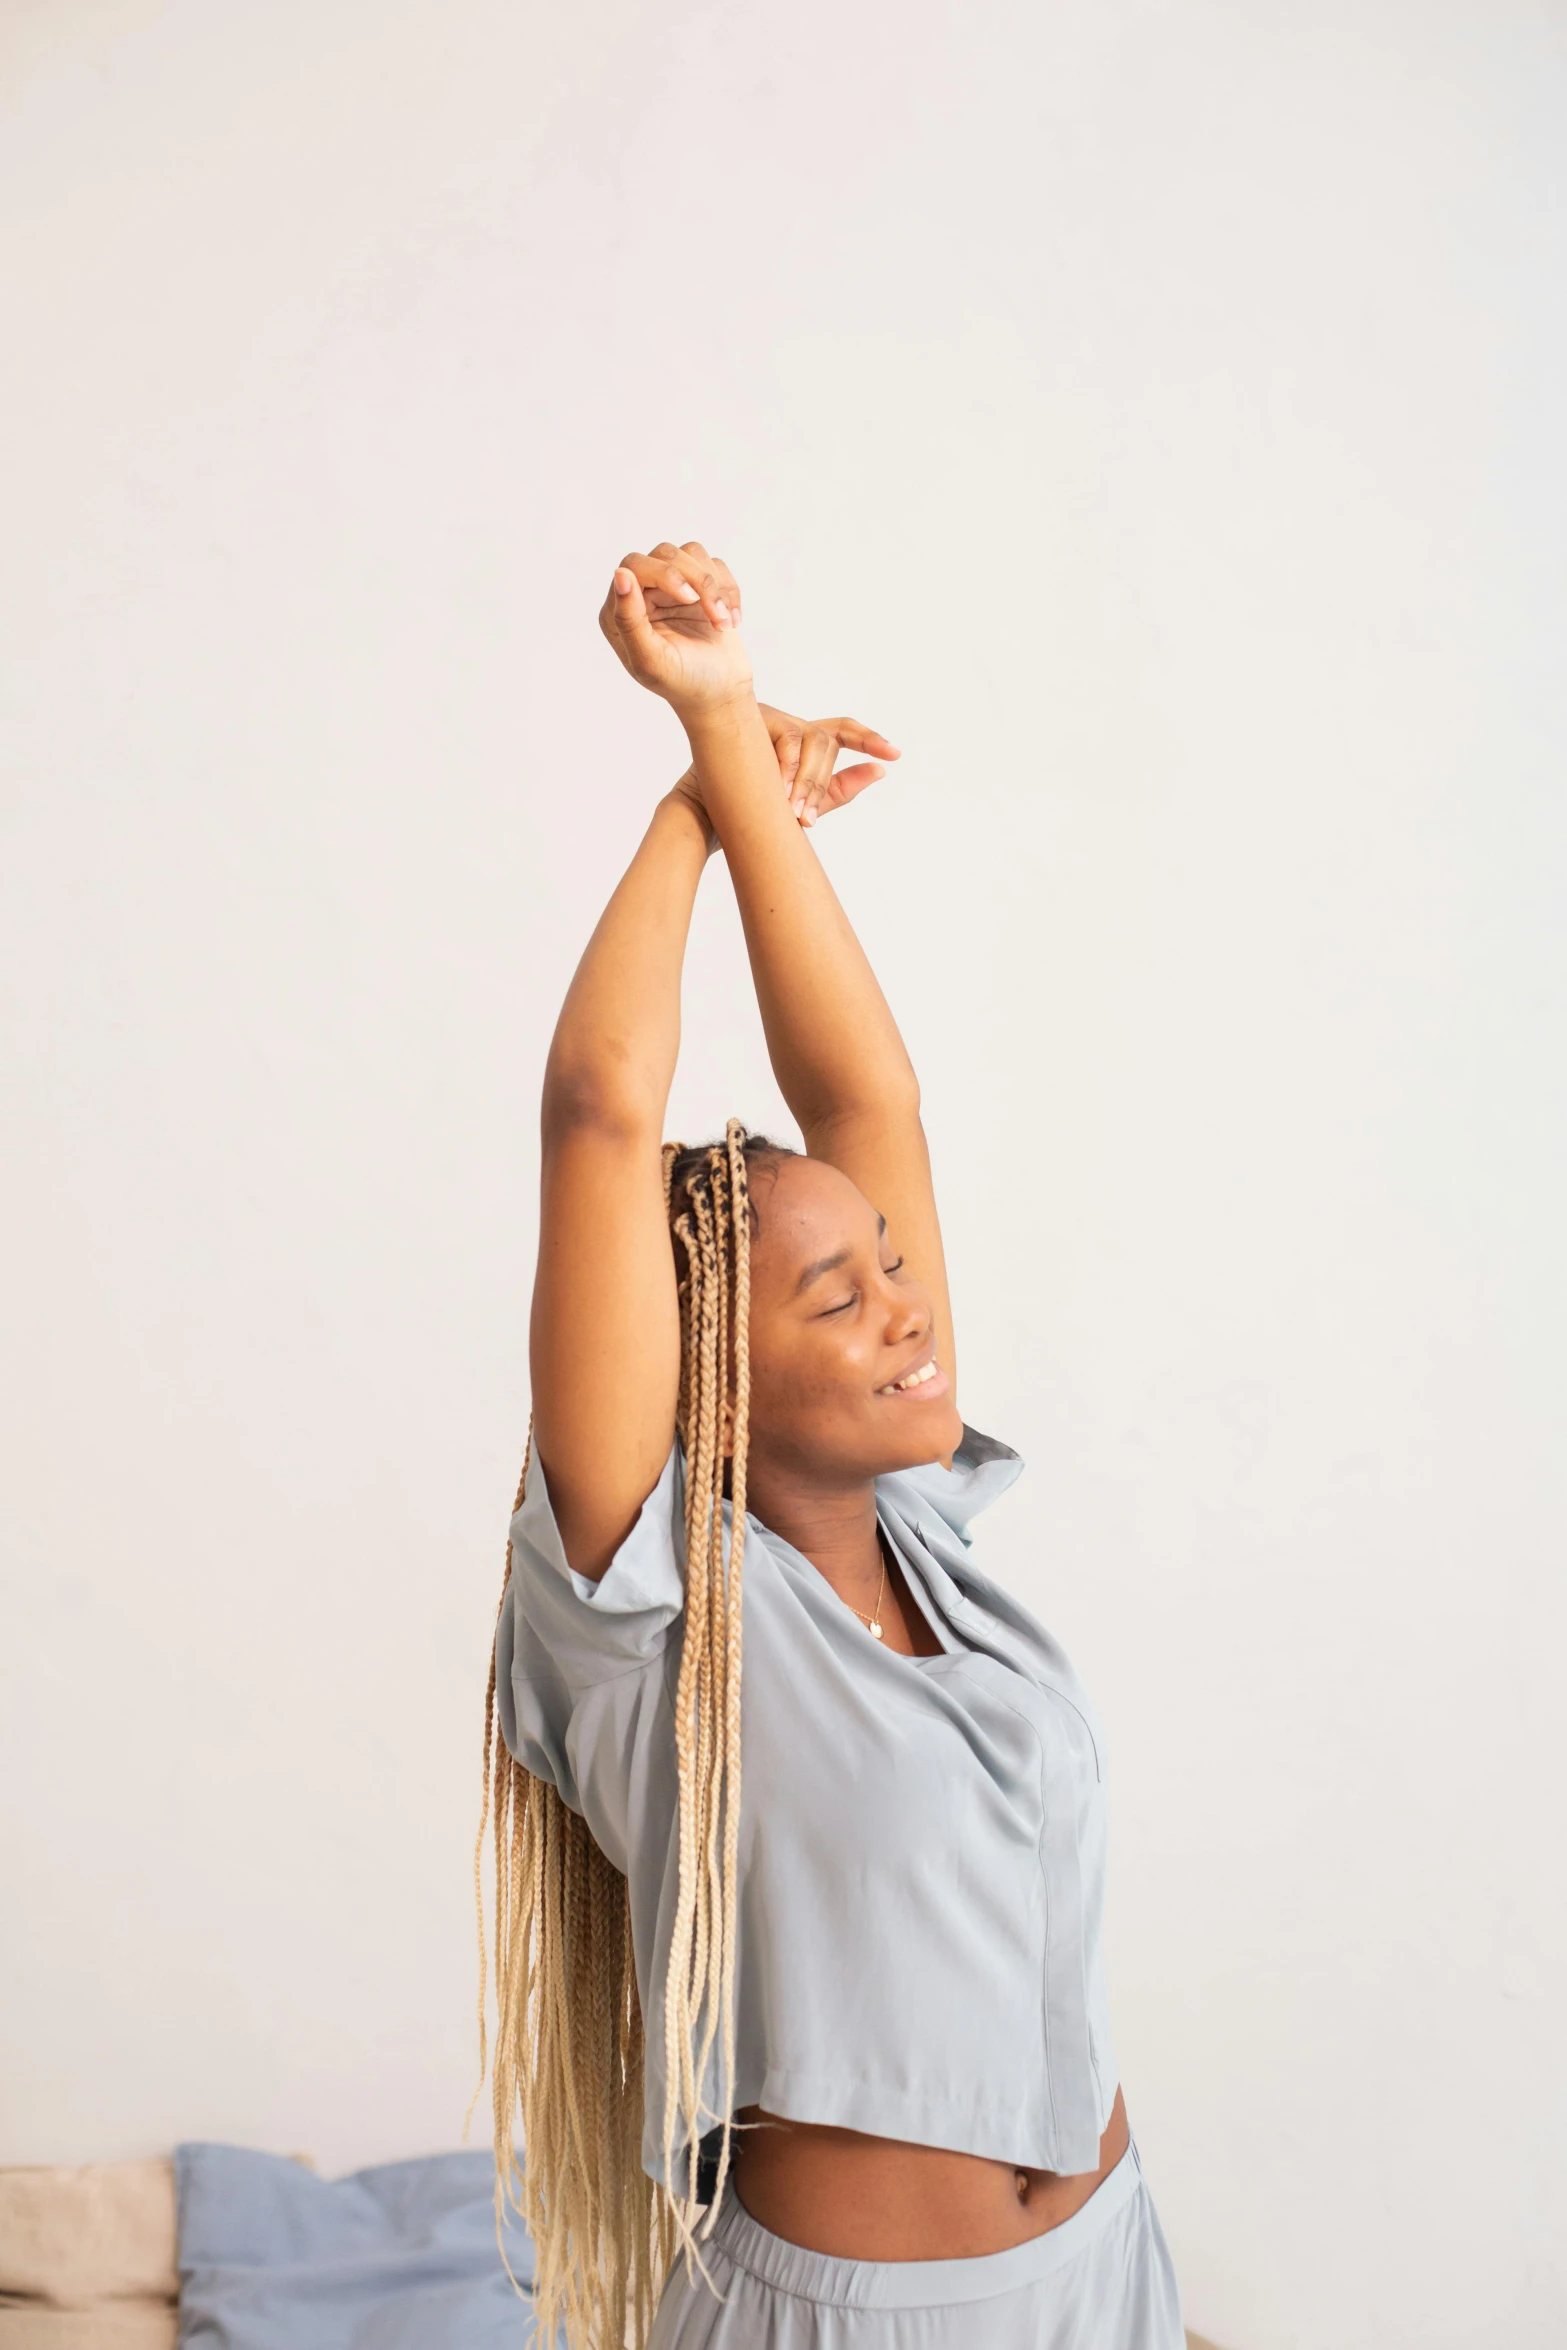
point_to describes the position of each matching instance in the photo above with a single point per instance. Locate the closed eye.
(845, 1303)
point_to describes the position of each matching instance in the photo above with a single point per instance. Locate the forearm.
(612, 1059)
(834, 1045)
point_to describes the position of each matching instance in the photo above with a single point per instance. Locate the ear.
(727, 1429)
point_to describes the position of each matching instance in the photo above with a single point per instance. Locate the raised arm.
(839, 1059)
(604, 1339)
(605, 1334)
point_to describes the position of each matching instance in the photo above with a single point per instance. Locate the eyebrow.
(840, 1256)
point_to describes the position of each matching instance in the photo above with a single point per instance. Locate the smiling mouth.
(924, 1375)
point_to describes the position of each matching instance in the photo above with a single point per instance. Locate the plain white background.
(1150, 414)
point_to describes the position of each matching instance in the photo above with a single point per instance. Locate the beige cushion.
(87, 2257)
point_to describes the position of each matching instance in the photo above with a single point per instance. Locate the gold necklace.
(873, 1623)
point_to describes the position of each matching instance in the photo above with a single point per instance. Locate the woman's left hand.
(807, 751)
(673, 618)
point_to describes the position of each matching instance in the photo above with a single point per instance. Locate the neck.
(833, 1526)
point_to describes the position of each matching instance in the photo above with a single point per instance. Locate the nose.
(908, 1313)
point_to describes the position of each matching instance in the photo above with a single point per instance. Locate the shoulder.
(570, 1628)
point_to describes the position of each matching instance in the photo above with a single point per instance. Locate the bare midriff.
(855, 2197)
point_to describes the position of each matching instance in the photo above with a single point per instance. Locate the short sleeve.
(982, 1469)
(560, 1634)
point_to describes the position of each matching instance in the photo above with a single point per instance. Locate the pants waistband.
(918, 2284)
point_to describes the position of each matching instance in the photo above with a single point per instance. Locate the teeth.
(913, 1379)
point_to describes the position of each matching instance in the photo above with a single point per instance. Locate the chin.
(933, 1433)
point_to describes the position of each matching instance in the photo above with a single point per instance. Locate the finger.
(688, 575)
(849, 782)
(710, 581)
(728, 584)
(672, 579)
(687, 581)
(807, 773)
(854, 737)
(661, 581)
(846, 785)
(817, 753)
(788, 743)
(784, 733)
(713, 576)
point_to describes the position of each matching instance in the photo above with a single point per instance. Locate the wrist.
(684, 804)
(720, 721)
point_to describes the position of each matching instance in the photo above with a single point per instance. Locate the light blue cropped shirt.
(922, 1839)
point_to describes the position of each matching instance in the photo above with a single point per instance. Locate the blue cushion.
(402, 2257)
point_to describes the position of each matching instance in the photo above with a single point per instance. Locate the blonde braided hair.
(570, 2044)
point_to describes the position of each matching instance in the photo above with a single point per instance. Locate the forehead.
(805, 1211)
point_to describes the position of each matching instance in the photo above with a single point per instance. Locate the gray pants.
(1100, 2281)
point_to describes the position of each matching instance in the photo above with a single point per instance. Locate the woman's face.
(838, 1330)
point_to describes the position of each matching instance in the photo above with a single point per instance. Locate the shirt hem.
(1018, 2134)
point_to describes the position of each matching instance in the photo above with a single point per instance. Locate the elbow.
(832, 1097)
(597, 1102)
(895, 1105)
(903, 1098)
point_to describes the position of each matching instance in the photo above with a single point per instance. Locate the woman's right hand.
(806, 749)
(673, 618)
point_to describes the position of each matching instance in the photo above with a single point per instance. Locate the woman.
(842, 2045)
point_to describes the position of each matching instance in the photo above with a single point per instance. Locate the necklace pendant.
(876, 1632)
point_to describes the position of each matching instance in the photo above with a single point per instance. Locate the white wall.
(1150, 414)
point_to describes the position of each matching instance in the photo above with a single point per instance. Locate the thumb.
(848, 783)
(631, 632)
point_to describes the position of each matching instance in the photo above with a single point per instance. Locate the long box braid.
(569, 2038)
